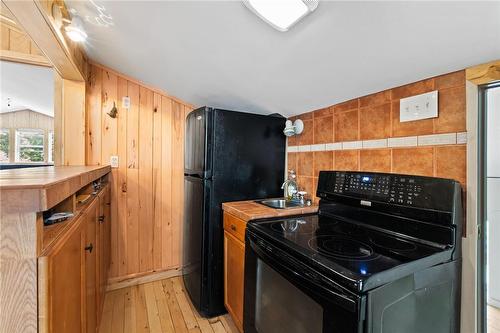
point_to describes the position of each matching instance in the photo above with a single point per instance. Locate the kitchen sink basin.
(279, 203)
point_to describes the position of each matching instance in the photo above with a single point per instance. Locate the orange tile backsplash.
(376, 116)
(375, 122)
(346, 126)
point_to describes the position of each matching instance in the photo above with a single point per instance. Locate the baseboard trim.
(124, 282)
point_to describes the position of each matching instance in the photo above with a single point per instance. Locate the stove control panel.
(413, 191)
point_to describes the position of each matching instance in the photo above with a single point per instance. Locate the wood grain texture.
(250, 210)
(73, 109)
(93, 102)
(18, 272)
(67, 57)
(148, 138)
(234, 274)
(484, 73)
(17, 46)
(159, 306)
(38, 189)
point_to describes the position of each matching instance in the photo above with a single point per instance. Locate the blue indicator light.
(363, 271)
(366, 179)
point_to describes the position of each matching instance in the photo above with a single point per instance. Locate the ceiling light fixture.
(281, 14)
(75, 30)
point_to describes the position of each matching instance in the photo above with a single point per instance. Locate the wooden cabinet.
(74, 271)
(61, 274)
(234, 267)
(103, 247)
(91, 277)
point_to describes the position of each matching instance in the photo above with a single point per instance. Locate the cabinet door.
(63, 298)
(91, 277)
(104, 246)
(234, 264)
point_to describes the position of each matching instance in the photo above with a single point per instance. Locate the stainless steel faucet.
(289, 186)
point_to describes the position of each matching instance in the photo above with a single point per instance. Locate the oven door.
(283, 294)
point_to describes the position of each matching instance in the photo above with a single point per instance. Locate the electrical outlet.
(113, 160)
(126, 102)
(418, 107)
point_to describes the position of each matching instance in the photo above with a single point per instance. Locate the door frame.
(482, 258)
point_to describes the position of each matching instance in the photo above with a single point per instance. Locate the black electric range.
(381, 255)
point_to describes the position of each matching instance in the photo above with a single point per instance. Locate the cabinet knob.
(101, 218)
(89, 248)
(233, 227)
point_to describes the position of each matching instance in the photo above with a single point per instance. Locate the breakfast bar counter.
(55, 241)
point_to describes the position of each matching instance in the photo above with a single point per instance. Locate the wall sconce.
(72, 27)
(292, 129)
(75, 30)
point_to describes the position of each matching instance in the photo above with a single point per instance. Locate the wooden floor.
(493, 315)
(160, 306)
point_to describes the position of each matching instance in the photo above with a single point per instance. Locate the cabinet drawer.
(235, 226)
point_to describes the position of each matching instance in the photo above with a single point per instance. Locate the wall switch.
(126, 102)
(418, 107)
(113, 160)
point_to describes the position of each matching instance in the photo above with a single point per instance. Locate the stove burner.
(394, 244)
(297, 226)
(341, 247)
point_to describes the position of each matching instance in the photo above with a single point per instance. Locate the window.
(4, 145)
(50, 148)
(29, 145)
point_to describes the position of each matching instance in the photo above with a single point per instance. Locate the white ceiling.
(26, 87)
(220, 54)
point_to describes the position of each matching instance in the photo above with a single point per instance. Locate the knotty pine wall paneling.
(147, 186)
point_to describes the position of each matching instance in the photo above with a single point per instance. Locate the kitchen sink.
(279, 203)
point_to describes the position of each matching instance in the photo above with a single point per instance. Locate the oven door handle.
(305, 276)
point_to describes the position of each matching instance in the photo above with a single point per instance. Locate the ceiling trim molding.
(31, 59)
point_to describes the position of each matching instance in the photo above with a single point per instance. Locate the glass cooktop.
(348, 248)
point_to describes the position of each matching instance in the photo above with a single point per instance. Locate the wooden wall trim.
(32, 59)
(35, 20)
(142, 84)
(484, 73)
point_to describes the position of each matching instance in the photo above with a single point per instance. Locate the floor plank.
(493, 318)
(118, 315)
(159, 306)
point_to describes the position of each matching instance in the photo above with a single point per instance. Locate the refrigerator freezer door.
(198, 143)
(194, 200)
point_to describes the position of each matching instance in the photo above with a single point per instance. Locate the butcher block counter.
(250, 210)
(236, 216)
(46, 270)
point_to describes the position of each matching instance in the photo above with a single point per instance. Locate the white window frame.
(6, 130)
(18, 145)
(50, 147)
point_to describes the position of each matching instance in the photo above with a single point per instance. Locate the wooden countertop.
(40, 188)
(250, 210)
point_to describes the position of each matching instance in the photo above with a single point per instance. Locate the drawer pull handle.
(89, 248)
(101, 218)
(233, 227)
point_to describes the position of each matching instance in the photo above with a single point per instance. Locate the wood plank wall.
(15, 44)
(147, 189)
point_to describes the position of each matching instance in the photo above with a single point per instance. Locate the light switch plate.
(419, 107)
(126, 102)
(113, 160)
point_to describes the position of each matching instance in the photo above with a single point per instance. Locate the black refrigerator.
(229, 156)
